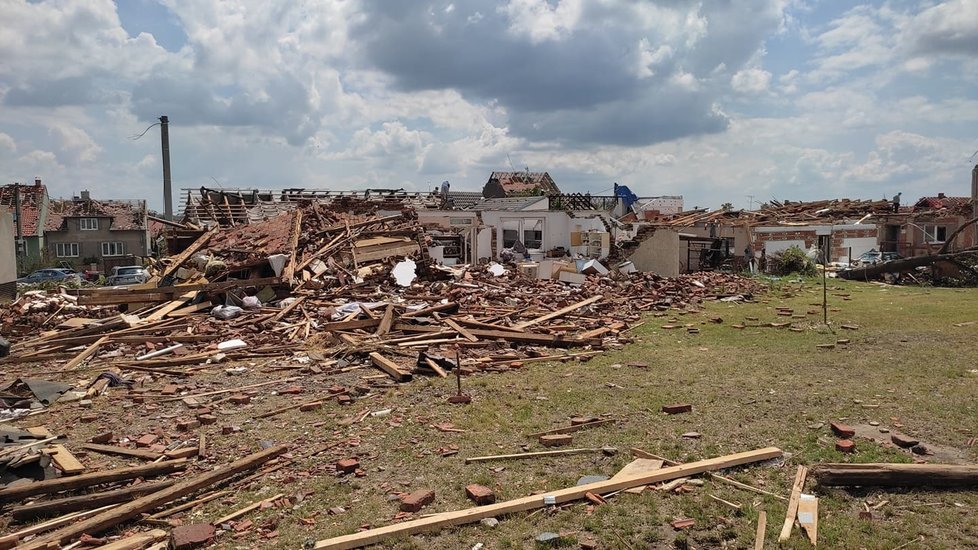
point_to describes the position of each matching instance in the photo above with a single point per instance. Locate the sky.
(739, 101)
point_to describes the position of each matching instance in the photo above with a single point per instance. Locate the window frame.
(113, 249)
(91, 222)
(932, 233)
(61, 248)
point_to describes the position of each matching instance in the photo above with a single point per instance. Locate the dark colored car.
(56, 274)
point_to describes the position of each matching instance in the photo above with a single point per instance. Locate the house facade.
(82, 231)
(29, 205)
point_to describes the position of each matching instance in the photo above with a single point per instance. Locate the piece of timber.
(350, 325)
(242, 511)
(190, 310)
(10, 540)
(523, 337)
(124, 512)
(571, 429)
(717, 477)
(187, 505)
(229, 390)
(430, 310)
(391, 368)
(560, 312)
(171, 306)
(182, 257)
(386, 321)
(179, 289)
(536, 454)
(17, 492)
(460, 517)
(84, 502)
(120, 451)
(461, 330)
(64, 460)
(796, 488)
(116, 299)
(896, 475)
(137, 541)
(808, 517)
(289, 272)
(761, 530)
(88, 352)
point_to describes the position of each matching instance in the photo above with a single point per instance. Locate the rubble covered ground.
(367, 421)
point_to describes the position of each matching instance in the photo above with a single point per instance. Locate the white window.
(529, 231)
(88, 224)
(67, 250)
(935, 233)
(112, 249)
(460, 221)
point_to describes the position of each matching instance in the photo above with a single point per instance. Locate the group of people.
(755, 264)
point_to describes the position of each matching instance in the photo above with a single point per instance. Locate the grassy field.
(906, 367)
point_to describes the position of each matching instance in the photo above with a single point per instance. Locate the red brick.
(347, 465)
(292, 390)
(88, 418)
(842, 430)
(677, 408)
(417, 500)
(191, 536)
(556, 440)
(146, 440)
(904, 441)
(578, 420)
(344, 399)
(185, 452)
(170, 389)
(186, 425)
(240, 399)
(336, 389)
(206, 419)
(310, 406)
(101, 438)
(480, 494)
(845, 446)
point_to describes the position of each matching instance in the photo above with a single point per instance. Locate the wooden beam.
(64, 460)
(88, 352)
(560, 312)
(761, 530)
(386, 321)
(48, 486)
(187, 505)
(896, 475)
(121, 451)
(461, 330)
(460, 517)
(84, 502)
(523, 337)
(240, 512)
(571, 429)
(789, 519)
(390, 367)
(10, 540)
(124, 512)
(808, 517)
(717, 477)
(537, 454)
(137, 541)
(178, 260)
(171, 306)
(229, 390)
(289, 272)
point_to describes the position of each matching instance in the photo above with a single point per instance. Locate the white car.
(127, 275)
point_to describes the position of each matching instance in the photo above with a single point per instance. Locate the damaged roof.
(32, 199)
(125, 215)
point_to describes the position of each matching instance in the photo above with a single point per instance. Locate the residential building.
(519, 184)
(8, 260)
(83, 231)
(29, 205)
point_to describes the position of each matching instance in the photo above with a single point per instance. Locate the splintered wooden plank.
(560, 312)
(120, 451)
(386, 321)
(88, 352)
(171, 306)
(390, 367)
(638, 466)
(470, 515)
(808, 517)
(761, 530)
(789, 519)
(461, 330)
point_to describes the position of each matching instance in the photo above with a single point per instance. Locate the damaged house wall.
(658, 253)
(8, 257)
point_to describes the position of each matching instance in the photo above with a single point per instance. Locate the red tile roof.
(126, 215)
(516, 182)
(32, 198)
(940, 202)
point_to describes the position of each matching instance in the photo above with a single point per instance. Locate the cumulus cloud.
(751, 81)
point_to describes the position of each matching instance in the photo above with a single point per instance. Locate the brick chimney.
(941, 196)
(37, 182)
(85, 196)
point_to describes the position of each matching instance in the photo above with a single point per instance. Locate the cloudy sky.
(716, 100)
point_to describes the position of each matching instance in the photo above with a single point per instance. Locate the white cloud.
(751, 81)
(540, 21)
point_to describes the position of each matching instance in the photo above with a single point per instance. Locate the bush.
(792, 260)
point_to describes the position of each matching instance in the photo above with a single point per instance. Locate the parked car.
(873, 257)
(127, 275)
(53, 274)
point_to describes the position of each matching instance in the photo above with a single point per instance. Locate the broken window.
(935, 233)
(533, 233)
(511, 232)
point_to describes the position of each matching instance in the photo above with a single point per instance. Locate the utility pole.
(167, 191)
(750, 202)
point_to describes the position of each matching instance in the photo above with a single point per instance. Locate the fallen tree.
(896, 475)
(907, 264)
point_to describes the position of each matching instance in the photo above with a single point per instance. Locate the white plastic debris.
(232, 344)
(226, 312)
(405, 272)
(251, 302)
(496, 270)
(277, 261)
